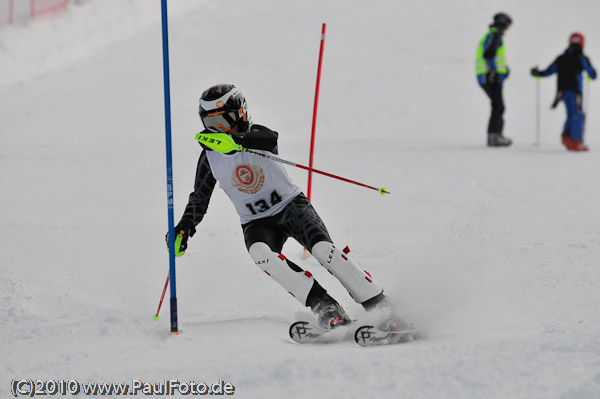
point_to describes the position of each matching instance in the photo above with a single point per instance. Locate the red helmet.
(576, 38)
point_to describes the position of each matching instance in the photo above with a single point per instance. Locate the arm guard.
(203, 187)
(258, 138)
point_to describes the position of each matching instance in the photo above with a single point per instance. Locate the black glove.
(491, 78)
(535, 72)
(185, 229)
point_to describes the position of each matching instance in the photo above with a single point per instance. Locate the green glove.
(183, 231)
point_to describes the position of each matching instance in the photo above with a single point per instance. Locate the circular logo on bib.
(248, 179)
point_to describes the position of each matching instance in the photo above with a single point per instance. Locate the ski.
(305, 332)
(372, 336)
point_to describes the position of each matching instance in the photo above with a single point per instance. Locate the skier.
(491, 70)
(272, 209)
(569, 67)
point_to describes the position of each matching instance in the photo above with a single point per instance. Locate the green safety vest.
(481, 64)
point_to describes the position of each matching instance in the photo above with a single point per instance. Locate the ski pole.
(587, 94)
(586, 100)
(223, 143)
(537, 110)
(162, 297)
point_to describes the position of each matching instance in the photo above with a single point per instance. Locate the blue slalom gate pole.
(165, 40)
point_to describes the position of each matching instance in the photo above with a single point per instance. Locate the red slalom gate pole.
(11, 11)
(314, 120)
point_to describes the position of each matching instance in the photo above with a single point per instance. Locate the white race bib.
(258, 187)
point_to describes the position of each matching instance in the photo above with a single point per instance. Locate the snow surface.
(493, 252)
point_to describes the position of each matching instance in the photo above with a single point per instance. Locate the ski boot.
(576, 145)
(498, 140)
(331, 315)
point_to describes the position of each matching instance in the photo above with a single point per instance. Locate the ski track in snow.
(492, 252)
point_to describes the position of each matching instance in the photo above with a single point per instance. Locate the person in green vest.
(492, 71)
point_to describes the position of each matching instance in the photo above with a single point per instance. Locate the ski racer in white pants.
(271, 209)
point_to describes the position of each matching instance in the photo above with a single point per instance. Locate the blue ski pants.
(575, 117)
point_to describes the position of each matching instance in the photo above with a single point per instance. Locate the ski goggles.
(220, 121)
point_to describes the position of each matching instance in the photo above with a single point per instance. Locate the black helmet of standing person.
(223, 107)
(502, 21)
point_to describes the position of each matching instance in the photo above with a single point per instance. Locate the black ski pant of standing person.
(494, 92)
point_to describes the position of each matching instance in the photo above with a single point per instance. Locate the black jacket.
(569, 67)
